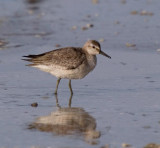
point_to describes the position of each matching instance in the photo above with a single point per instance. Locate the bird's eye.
(93, 46)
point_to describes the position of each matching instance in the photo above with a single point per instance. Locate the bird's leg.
(57, 85)
(70, 87)
(70, 100)
(57, 104)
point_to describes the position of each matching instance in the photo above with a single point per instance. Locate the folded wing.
(66, 58)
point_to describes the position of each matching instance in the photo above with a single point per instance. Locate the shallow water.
(120, 97)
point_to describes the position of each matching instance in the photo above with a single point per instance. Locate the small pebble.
(106, 146)
(58, 45)
(35, 104)
(144, 12)
(101, 40)
(2, 43)
(89, 25)
(126, 145)
(134, 12)
(152, 145)
(74, 27)
(95, 1)
(84, 28)
(130, 45)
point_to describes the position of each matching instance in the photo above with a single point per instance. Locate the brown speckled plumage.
(69, 63)
(67, 58)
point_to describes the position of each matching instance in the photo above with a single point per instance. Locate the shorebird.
(69, 62)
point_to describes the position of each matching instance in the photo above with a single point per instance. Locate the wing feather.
(67, 58)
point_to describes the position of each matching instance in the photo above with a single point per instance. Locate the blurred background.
(118, 103)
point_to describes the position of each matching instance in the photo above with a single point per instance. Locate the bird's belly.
(76, 73)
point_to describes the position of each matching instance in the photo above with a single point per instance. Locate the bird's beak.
(104, 54)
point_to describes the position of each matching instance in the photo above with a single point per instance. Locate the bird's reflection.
(67, 121)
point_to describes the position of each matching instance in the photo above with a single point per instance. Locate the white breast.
(78, 73)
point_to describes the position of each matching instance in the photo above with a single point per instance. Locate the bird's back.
(66, 58)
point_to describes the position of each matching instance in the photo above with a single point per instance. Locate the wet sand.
(120, 98)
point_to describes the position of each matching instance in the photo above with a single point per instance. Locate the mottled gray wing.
(68, 58)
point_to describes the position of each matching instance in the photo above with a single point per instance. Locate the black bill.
(104, 54)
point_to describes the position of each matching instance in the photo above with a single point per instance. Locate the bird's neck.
(92, 60)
